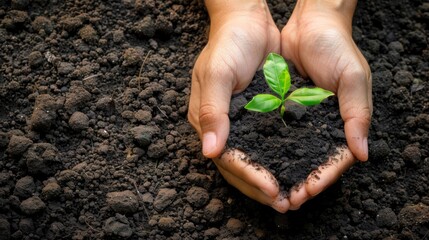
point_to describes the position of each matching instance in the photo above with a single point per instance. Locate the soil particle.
(79, 121)
(88, 34)
(45, 112)
(66, 176)
(383, 80)
(379, 150)
(123, 202)
(145, 28)
(403, 78)
(42, 23)
(4, 140)
(388, 176)
(4, 178)
(164, 198)
(396, 46)
(132, 57)
(76, 99)
(143, 135)
(197, 196)
(213, 212)
(413, 215)
(56, 231)
(32, 205)
(417, 41)
(20, 4)
(412, 154)
(18, 145)
(157, 149)
(199, 179)
(71, 24)
(4, 229)
(118, 226)
(25, 187)
(145, 7)
(106, 104)
(26, 225)
(65, 68)
(235, 226)
(42, 159)
(237, 106)
(35, 59)
(369, 205)
(15, 19)
(51, 191)
(211, 233)
(386, 218)
(167, 224)
(143, 116)
(294, 110)
(169, 97)
(118, 36)
(163, 26)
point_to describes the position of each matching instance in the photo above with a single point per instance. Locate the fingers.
(329, 172)
(321, 178)
(211, 91)
(256, 182)
(237, 162)
(251, 179)
(214, 106)
(355, 99)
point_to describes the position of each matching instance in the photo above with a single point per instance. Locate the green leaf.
(263, 103)
(276, 74)
(309, 96)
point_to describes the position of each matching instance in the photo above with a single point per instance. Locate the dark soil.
(95, 144)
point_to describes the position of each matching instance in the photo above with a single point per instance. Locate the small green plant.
(277, 75)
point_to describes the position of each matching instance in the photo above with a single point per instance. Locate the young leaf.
(309, 96)
(263, 103)
(276, 74)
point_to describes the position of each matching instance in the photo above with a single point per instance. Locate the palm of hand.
(237, 47)
(322, 48)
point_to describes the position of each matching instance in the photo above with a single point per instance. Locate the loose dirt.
(95, 144)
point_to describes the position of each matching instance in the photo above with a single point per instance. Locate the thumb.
(355, 99)
(215, 97)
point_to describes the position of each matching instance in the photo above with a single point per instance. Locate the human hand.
(242, 33)
(318, 40)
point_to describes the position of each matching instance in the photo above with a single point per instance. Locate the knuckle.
(207, 113)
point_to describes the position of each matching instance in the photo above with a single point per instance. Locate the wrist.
(342, 8)
(218, 9)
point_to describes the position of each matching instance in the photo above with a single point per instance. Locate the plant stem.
(283, 121)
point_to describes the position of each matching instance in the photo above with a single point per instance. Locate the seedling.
(277, 75)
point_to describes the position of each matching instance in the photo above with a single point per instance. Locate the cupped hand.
(318, 40)
(242, 33)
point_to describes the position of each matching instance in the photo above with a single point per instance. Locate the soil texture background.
(95, 144)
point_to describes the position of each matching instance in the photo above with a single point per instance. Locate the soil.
(95, 144)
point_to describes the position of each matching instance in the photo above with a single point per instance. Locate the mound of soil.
(95, 144)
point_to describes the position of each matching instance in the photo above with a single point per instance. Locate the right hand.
(242, 33)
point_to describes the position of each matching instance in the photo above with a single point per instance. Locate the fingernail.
(209, 143)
